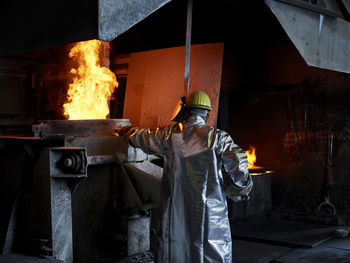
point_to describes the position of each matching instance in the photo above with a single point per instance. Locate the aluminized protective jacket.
(202, 166)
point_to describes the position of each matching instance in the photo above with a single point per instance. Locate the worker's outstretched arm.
(237, 180)
(150, 141)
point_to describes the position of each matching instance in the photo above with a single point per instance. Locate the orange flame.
(92, 84)
(251, 157)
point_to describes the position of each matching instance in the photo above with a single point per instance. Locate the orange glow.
(177, 109)
(92, 84)
(254, 169)
(251, 157)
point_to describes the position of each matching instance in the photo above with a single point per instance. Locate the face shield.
(179, 111)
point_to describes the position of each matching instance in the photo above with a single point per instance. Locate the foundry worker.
(202, 166)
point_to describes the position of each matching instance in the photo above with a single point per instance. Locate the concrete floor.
(332, 251)
(270, 241)
(336, 250)
(273, 244)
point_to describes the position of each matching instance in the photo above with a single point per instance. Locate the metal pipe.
(188, 47)
(101, 159)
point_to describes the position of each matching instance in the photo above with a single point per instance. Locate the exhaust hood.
(29, 25)
(318, 30)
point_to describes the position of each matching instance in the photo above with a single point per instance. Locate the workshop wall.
(155, 82)
(288, 110)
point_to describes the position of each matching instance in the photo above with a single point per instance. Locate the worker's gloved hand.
(123, 130)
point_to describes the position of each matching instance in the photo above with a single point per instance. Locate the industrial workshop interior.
(74, 73)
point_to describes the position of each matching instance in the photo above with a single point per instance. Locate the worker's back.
(195, 226)
(202, 166)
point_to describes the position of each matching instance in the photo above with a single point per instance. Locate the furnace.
(73, 185)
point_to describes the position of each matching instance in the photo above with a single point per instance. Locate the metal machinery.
(68, 196)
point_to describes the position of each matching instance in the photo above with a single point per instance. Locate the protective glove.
(123, 130)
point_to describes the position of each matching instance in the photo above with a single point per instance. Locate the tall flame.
(92, 84)
(251, 157)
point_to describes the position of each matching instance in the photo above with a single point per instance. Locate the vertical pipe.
(188, 47)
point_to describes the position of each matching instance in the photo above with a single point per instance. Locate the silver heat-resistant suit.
(202, 166)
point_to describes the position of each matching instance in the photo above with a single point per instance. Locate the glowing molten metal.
(92, 84)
